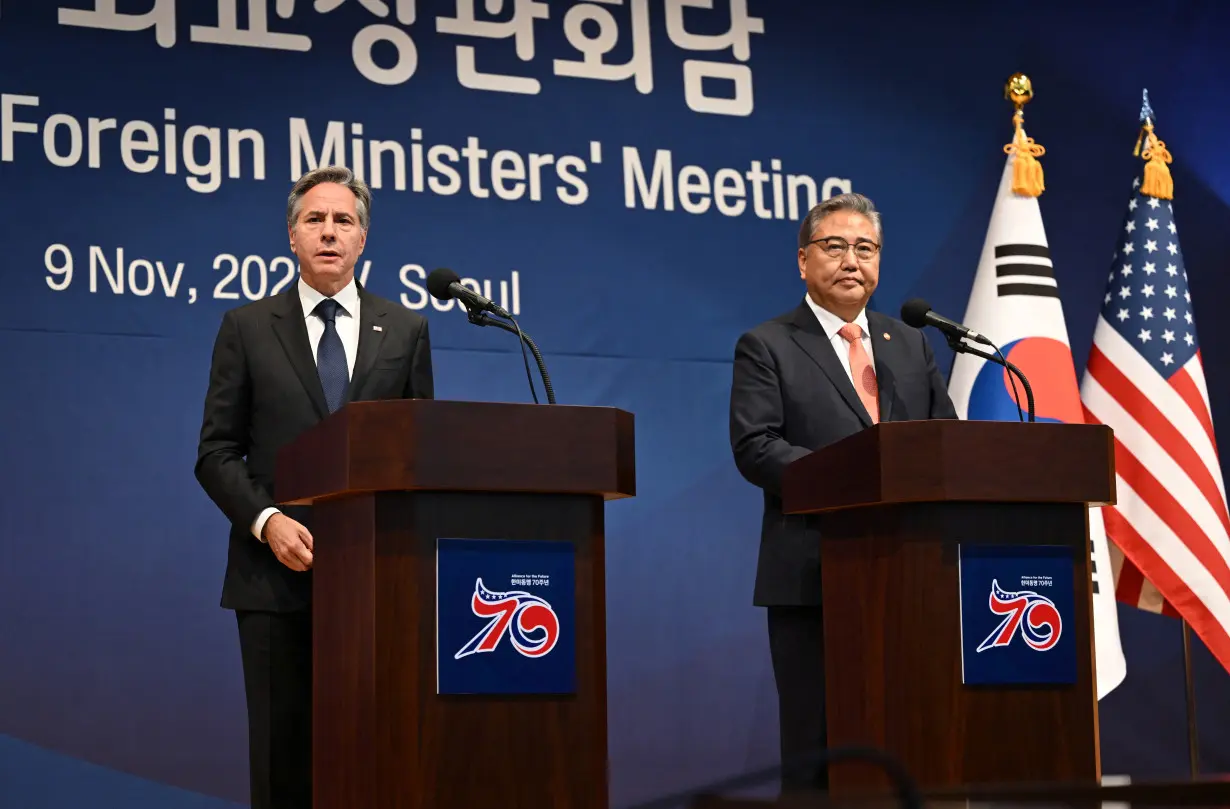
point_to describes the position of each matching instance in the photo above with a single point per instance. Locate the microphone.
(444, 284)
(917, 313)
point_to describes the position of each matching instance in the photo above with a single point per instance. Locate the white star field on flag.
(1148, 301)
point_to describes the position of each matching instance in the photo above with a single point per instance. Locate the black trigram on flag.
(1024, 269)
(1093, 566)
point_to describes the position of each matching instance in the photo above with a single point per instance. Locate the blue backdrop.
(637, 219)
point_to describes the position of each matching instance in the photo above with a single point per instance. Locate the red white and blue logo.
(505, 616)
(1015, 603)
(1034, 617)
(527, 620)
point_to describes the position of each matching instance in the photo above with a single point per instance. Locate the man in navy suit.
(280, 365)
(805, 379)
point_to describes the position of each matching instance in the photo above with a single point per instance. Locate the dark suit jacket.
(791, 396)
(264, 391)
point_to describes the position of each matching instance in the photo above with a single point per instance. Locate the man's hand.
(290, 542)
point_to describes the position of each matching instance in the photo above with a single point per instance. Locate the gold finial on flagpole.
(1019, 90)
(1027, 177)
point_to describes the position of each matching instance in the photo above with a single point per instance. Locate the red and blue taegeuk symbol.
(1047, 364)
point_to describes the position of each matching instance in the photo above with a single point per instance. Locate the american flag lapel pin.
(377, 328)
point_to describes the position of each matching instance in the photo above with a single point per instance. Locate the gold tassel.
(1158, 182)
(1027, 177)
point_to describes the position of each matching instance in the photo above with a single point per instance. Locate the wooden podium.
(386, 480)
(896, 506)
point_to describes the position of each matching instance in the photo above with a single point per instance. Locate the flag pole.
(1193, 742)
(1157, 182)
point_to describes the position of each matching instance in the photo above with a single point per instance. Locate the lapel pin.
(377, 328)
(887, 336)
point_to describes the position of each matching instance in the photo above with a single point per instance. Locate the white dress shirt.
(347, 323)
(831, 323)
(347, 320)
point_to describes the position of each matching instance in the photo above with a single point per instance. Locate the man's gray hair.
(330, 174)
(842, 202)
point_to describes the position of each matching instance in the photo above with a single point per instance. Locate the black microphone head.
(914, 312)
(439, 281)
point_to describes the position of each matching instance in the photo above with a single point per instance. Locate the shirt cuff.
(258, 525)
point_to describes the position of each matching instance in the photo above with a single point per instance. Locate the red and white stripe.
(1170, 521)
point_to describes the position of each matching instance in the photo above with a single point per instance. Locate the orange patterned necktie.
(863, 374)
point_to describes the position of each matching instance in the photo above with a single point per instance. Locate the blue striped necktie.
(331, 355)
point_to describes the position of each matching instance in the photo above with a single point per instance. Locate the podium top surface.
(432, 444)
(950, 460)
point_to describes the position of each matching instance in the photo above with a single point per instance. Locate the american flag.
(1145, 379)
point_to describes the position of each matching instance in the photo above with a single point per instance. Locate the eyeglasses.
(836, 247)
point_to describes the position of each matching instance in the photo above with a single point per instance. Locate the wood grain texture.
(382, 735)
(890, 525)
(384, 481)
(946, 460)
(893, 650)
(345, 703)
(444, 445)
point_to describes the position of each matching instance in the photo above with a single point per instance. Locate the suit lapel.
(370, 337)
(291, 330)
(885, 354)
(811, 338)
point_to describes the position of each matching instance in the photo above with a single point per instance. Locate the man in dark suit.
(812, 376)
(279, 366)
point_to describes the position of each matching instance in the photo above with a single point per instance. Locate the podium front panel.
(523, 575)
(894, 642)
